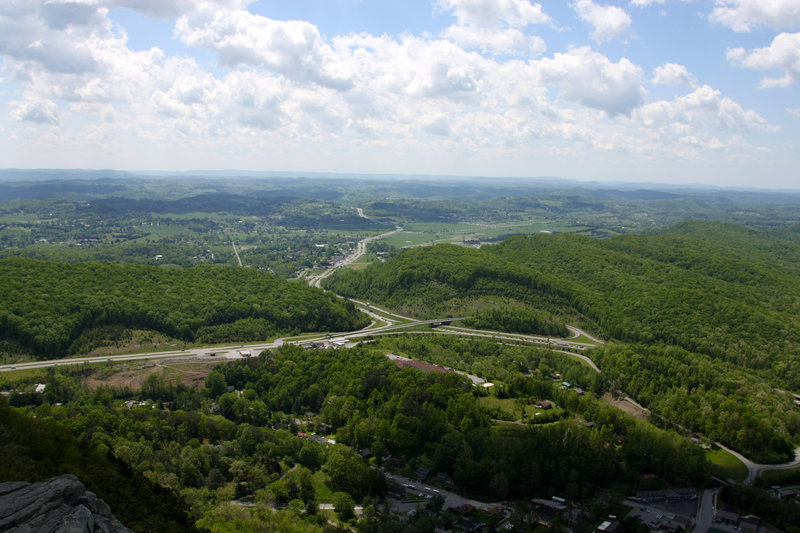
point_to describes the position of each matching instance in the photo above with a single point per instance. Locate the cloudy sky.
(678, 91)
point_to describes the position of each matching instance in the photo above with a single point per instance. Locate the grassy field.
(18, 218)
(582, 339)
(357, 266)
(726, 465)
(23, 374)
(416, 234)
(199, 215)
(781, 477)
(510, 409)
(321, 490)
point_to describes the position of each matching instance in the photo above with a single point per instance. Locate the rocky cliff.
(59, 505)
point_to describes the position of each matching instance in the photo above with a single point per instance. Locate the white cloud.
(702, 110)
(591, 79)
(608, 22)
(40, 110)
(794, 111)
(283, 90)
(496, 26)
(26, 36)
(503, 41)
(645, 3)
(744, 15)
(436, 125)
(782, 54)
(173, 8)
(294, 48)
(496, 13)
(673, 74)
(60, 14)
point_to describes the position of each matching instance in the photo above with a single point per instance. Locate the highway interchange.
(384, 322)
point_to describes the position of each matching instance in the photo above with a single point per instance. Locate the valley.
(538, 346)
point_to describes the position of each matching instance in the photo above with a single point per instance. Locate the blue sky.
(674, 91)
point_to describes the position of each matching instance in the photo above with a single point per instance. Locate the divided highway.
(394, 324)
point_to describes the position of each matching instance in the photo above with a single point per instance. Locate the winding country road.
(755, 469)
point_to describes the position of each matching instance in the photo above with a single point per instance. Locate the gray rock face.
(59, 505)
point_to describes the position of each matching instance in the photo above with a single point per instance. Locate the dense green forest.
(213, 446)
(701, 321)
(53, 309)
(37, 449)
(707, 314)
(435, 281)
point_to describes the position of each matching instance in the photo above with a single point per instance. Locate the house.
(444, 478)
(544, 405)
(750, 523)
(549, 507)
(462, 510)
(608, 526)
(396, 491)
(676, 495)
(395, 462)
(423, 473)
(680, 522)
(727, 517)
(469, 524)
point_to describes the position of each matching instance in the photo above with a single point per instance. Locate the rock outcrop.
(59, 505)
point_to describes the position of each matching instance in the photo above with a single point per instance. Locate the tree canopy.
(47, 307)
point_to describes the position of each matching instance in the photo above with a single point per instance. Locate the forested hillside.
(707, 315)
(54, 309)
(36, 449)
(434, 281)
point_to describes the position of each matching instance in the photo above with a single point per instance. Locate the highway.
(361, 249)
(235, 251)
(393, 321)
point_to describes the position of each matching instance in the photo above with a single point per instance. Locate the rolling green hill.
(435, 281)
(703, 317)
(49, 308)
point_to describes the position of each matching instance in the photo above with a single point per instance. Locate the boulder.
(59, 505)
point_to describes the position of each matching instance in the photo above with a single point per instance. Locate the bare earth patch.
(627, 407)
(191, 373)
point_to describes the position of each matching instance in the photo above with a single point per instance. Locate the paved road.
(361, 249)
(705, 512)
(578, 332)
(381, 310)
(755, 469)
(221, 352)
(451, 499)
(239, 259)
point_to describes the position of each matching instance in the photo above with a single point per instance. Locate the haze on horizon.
(670, 91)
